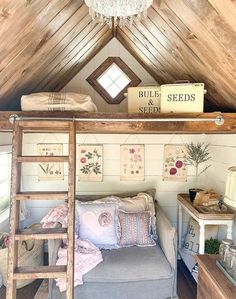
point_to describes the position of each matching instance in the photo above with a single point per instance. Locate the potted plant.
(196, 154)
(212, 246)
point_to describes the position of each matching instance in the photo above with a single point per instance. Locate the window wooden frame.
(92, 79)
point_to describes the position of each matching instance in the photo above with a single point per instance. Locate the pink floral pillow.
(135, 229)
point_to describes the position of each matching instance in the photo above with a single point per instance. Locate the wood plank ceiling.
(44, 43)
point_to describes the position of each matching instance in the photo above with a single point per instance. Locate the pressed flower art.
(132, 162)
(175, 163)
(50, 171)
(90, 162)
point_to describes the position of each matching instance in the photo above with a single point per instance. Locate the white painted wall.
(5, 140)
(154, 146)
(223, 152)
(113, 48)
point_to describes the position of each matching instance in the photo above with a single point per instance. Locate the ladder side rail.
(14, 210)
(71, 211)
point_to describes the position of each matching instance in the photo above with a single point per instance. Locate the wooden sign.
(182, 97)
(145, 99)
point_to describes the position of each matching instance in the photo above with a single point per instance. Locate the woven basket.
(30, 253)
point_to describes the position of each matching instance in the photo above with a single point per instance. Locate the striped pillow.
(135, 229)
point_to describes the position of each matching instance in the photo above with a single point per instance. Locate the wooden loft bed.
(133, 123)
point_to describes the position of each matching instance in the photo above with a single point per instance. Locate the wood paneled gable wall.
(44, 44)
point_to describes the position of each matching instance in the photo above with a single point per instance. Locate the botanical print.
(90, 162)
(174, 168)
(132, 162)
(50, 171)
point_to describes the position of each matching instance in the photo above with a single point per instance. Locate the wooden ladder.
(20, 273)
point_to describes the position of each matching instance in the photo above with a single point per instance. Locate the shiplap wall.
(223, 153)
(154, 147)
(222, 148)
(113, 48)
(5, 139)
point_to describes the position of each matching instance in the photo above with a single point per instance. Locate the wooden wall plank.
(67, 37)
(140, 56)
(31, 56)
(227, 10)
(152, 45)
(211, 53)
(91, 51)
(25, 32)
(219, 89)
(215, 24)
(87, 35)
(132, 42)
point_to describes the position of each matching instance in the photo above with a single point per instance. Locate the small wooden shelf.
(183, 198)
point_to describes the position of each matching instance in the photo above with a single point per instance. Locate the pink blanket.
(87, 256)
(56, 215)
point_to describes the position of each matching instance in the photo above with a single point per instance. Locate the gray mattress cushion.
(127, 273)
(131, 264)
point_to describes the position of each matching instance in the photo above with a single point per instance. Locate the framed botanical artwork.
(132, 162)
(50, 171)
(90, 162)
(175, 163)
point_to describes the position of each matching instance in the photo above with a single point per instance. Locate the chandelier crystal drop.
(119, 12)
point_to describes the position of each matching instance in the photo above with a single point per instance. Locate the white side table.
(210, 218)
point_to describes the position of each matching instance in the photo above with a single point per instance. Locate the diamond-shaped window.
(112, 78)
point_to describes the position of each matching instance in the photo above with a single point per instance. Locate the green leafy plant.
(212, 246)
(197, 153)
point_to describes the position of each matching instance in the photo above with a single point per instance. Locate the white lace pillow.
(98, 223)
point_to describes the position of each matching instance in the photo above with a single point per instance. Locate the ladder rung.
(39, 272)
(42, 195)
(43, 159)
(42, 234)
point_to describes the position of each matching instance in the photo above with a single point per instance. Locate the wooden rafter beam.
(135, 123)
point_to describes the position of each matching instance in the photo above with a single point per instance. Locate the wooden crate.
(182, 97)
(144, 99)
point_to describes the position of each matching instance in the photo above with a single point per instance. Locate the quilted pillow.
(98, 223)
(135, 229)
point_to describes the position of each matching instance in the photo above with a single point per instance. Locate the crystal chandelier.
(121, 12)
